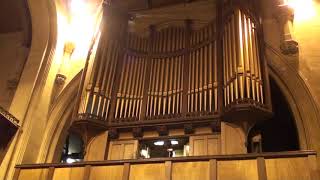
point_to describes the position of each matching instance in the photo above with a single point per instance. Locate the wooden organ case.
(176, 75)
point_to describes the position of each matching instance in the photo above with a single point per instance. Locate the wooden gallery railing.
(176, 72)
(301, 165)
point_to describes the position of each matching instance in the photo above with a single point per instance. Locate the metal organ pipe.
(242, 68)
(174, 72)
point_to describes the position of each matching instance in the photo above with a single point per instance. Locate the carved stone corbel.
(162, 130)
(137, 132)
(113, 133)
(285, 17)
(188, 129)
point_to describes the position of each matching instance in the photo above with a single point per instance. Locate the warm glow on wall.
(303, 9)
(77, 24)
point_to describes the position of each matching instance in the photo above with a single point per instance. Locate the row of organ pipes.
(172, 69)
(241, 63)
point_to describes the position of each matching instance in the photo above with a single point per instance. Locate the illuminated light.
(174, 142)
(70, 160)
(159, 143)
(303, 9)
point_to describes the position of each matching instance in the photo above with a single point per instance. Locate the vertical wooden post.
(16, 174)
(86, 174)
(264, 67)
(147, 76)
(126, 171)
(168, 170)
(220, 49)
(213, 169)
(262, 172)
(186, 68)
(313, 168)
(50, 173)
(122, 35)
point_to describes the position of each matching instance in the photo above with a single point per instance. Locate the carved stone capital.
(284, 14)
(60, 79)
(289, 47)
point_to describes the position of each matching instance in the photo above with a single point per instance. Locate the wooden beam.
(16, 174)
(87, 171)
(147, 78)
(186, 69)
(262, 172)
(219, 27)
(213, 169)
(50, 173)
(126, 171)
(313, 168)
(168, 170)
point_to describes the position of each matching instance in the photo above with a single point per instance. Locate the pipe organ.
(177, 74)
(241, 61)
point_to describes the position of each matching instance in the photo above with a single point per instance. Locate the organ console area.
(174, 78)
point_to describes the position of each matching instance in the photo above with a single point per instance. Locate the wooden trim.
(50, 173)
(261, 165)
(119, 65)
(219, 47)
(186, 72)
(126, 171)
(87, 171)
(147, 75)
(167, 121)
(213, 169)
(314, 171)
(290, 154)
(16, 173)
(168, 170)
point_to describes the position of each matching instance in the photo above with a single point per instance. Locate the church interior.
(160, 90)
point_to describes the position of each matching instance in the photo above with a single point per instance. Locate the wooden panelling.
(190, 171)
(147, 171)
(295, 165)
(237, 170)
(106, 173)
(288, 169)
(204, 145)
(68, 173)
(33, 174)
(122, 149)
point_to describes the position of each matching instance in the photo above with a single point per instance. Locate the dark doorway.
(72, 149)
(278, 133)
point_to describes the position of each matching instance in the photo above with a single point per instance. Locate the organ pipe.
(242, 63)
(176, 71)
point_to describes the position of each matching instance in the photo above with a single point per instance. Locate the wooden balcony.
(298, 165)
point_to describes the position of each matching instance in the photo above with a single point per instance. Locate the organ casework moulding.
(206, 82)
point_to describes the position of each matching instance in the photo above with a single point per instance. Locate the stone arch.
(31, 84)
(59, 121)
(298, 96)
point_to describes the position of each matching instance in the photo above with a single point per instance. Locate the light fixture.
(174, 142)
(303, 9)
(159, 143)
(70, 160)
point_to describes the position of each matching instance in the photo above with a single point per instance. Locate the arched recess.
(31, 84)
(299, 97)
(59, 121)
